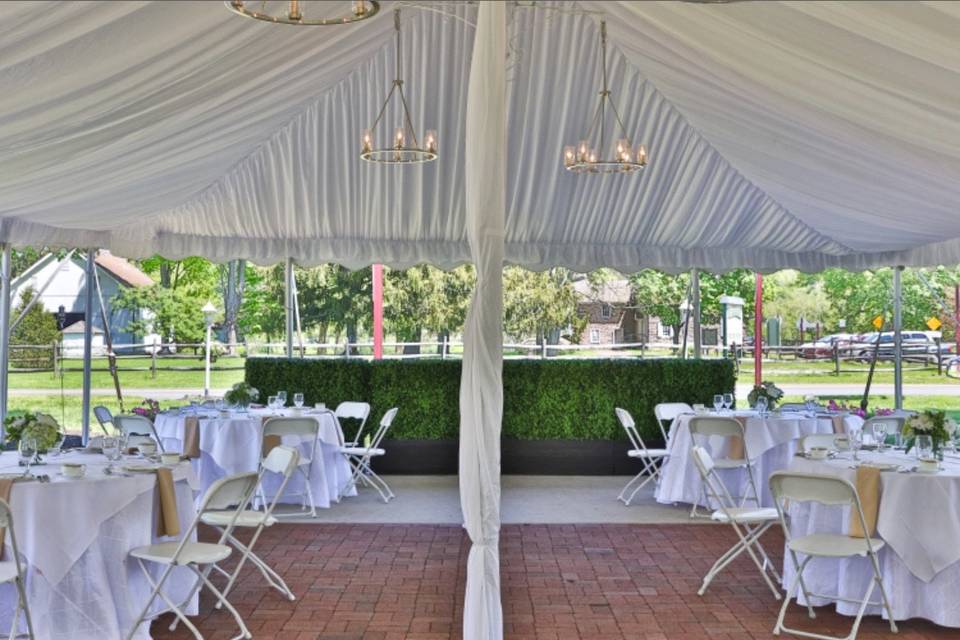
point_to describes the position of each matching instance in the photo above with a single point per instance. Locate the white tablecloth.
(770, 442)
(231, 444)
(74, 537)
(919, 519)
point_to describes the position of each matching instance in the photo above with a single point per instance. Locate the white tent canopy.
(780, 135)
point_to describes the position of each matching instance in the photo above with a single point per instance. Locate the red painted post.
(377, 311)
(758, 331)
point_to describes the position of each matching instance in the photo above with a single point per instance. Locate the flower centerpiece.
(931, 423)
(767, 390)
(41, 427)
(149, 409)
(241, 395)
(856, 410)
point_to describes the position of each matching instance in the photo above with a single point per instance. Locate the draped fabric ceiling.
(800, 135)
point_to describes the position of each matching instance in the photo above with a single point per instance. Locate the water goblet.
(28, 450)
(880, 434)
(111, 449)
(717, 402)
(727, 401)
(810, 405)
(298, 400)
(856, 441)
(272, 402)
(762, 406)
(281, 399)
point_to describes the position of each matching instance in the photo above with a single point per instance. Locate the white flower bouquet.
(42, 427)
(241, 394)
(936, 424)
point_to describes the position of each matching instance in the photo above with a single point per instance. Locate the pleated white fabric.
(481, 390)
(802, 135)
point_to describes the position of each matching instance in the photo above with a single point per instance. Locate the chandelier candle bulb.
(359, 7)
(366, 141)
(294, 13)
(642, 155)
(583, 149)
(430, 141)
(398, 138)
(569, 156)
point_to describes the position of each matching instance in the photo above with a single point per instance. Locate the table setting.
(910, 494)
(224, 438)
(76, 516)
(771, 439)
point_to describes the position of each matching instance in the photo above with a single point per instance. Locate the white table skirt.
(771, 443)
(231, 444)
(918, 521)
(95, 591)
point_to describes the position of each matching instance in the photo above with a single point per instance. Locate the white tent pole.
(897, 338)
(88, 286)
(288, 305)
(5, 293)
(695, 280)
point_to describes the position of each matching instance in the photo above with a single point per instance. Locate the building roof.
(123, 270)
(611, 292)
(79, 327)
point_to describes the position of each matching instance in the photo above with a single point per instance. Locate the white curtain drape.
(481, 391)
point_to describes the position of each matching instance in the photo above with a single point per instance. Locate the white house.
(66, 290)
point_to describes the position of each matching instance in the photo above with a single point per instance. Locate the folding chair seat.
(652, 459)
(231, 494)
(359, 458)
(831, 491)
(303, 429)
(732, 430)
(11, 571)
(354, 411)
(749, 523)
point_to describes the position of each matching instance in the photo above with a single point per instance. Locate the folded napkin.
(191, 437)
(168, 522)
(838, 424)
(6, 484)
(269, 442)
(737, 450)
(868, 488)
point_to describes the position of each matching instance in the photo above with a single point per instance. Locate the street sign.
(934, 324)
(878, 322)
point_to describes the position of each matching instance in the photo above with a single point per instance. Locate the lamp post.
(209, 313)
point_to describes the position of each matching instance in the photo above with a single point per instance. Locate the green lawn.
(68, 410)
(170, 374)
(789, 371)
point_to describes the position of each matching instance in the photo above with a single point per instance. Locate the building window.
(594, 336)
(605, 311)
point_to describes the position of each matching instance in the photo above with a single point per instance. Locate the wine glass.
(281, 399)
(762, 406)
(218, 404)
(856, 441)
(727, 401)
(111, 449)
(810, 404)
(28, 450)
(298, 400)
(717, 402)
(272, 402)
(880, 434)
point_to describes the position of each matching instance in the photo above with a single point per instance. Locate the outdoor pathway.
(571, 582)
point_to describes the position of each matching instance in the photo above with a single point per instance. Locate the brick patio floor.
(603, 582)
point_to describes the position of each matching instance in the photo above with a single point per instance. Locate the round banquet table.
(918, 518)
(74, 536)
(770, 442)
(230, 443)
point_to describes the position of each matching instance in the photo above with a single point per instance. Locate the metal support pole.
(897, 338)
(5, 294)
(956, 315)
(206, 362)
(695, 280)
(88, 287)
(758, 331)
(377, 311)
(288, 305)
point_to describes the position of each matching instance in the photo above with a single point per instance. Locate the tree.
(233, 277)
(175, 314)
(38, 328)
(795, 296)
(539, 305)
(426, 298)
(660, 294)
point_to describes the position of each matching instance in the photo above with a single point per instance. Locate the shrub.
(543, 399)
(37, 329)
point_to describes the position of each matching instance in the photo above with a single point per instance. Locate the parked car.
(917, 346)
(823, 348)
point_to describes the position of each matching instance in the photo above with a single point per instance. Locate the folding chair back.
(304, 427)
(137, 429)
(715, 426)
(667, 412)
(628, 424)
(231, 492)
(715, 489)
(104, 418)
(282, 460)
(828, 440)
(385, 423)
(354, 411)
(807, 487)
(894, 423)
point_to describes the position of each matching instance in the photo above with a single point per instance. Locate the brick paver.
(560, 582)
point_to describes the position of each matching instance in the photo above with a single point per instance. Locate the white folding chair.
(354, 411)
(731, 429)
(652, 459)
(283, 460)
(666, 413)
(894, 424)
(831, 491)
(104, 418)
(137, 429)
(359, 458)
(302, 429)
(11, 571)
(748, 522)
(233, 491)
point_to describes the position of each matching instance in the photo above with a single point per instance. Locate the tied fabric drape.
(481, 392)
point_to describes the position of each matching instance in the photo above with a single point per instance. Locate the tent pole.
(377, 311)
(296, 318)
(897, 338)
(5, 293)
(758, 331)
(956, 315)
(288, 305)
(88, 285)
(695, 279)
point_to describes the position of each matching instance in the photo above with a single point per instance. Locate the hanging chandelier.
(584, 158)
(293, 12)
(404, 147)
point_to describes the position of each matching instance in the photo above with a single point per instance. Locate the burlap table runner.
(868, 487)
(168, 521)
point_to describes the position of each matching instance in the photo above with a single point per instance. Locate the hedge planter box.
(517, 457)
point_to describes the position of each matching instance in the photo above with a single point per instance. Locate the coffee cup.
(928, 465)
(817, 453)
(170, 458)
(320, 406)
(73, 469)
(147, 448)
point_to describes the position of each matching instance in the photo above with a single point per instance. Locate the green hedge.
(543, 399)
